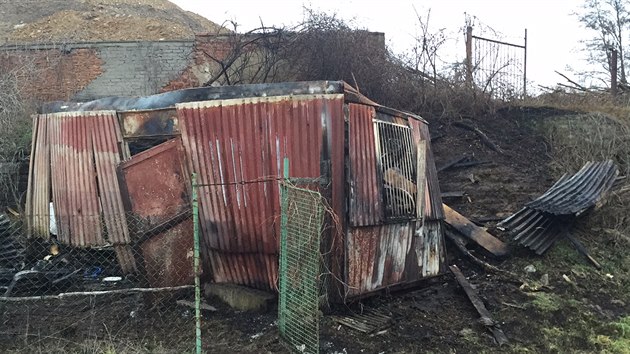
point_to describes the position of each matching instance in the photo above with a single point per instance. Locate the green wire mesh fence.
(298, 309)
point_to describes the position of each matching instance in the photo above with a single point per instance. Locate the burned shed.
(118, 156)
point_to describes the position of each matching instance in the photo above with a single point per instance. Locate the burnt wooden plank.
(486, 317)
(475, 233)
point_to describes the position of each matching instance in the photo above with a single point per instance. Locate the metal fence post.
(283, 239)
(525, 66)
(469, 59)
(196, 264)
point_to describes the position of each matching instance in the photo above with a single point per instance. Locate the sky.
(554, 33)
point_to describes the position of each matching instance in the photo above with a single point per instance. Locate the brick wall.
(86, 71)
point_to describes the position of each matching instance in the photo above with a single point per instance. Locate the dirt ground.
(589, 312)
(60, 21)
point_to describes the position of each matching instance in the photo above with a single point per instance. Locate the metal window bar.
(396, 157)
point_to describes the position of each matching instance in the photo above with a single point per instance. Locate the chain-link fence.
(298, 309)
(75, 290)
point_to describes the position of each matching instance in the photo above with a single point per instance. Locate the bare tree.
(610, 20)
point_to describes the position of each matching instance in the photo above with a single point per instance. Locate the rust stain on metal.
(168, 256)
(74, 148)
(232, 141)
(366, 191)
(392, 254)
(156, 183)
(38, 192)
(152, 123)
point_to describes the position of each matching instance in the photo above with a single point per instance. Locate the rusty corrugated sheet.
(366, 188)
(82, 146)
(107, 142)
(156, 183)
(229, 142)
(152, 123)
(38, 192)
(392, 254)
(168, 256)
(73, 181)
(433, 208)
(542, 221)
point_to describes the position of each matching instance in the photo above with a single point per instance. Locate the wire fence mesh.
(102, 297)
(302, 219)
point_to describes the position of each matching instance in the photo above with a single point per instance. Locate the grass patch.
(547, 302)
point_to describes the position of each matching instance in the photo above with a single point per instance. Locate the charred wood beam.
(484, 138)
(486, 317)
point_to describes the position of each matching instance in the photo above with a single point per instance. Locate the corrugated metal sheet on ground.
(541, 222)
(80, 147)
(392, 254)
(232, 141)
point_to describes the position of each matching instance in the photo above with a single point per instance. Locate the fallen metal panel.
(155, 184)
(578, 192)
(168, 256)
(152, 123)
(394, 254)
(366, 188)
(543, 221)
(230, 142)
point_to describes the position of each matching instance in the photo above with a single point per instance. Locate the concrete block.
(239, 297)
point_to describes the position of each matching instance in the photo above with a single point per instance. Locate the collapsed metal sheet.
(156, 184)
(237, 147)
(541, 222)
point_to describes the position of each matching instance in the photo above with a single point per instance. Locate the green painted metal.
(301, 226)
(196, 265)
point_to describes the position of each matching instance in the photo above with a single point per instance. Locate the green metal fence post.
(196, 264)
(283, 241)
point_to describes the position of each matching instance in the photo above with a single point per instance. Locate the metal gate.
(495, 67)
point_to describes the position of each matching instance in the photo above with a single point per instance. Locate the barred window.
(396, 161)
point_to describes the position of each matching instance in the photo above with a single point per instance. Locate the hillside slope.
(97, 20)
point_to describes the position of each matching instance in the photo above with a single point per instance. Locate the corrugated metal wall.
(74, 148)
(366, 190)
(380, 254)
(233, 143)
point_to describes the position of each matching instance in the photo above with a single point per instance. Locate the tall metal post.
(284, 219)
(525, 66)
(196, 264)
(469, 56)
